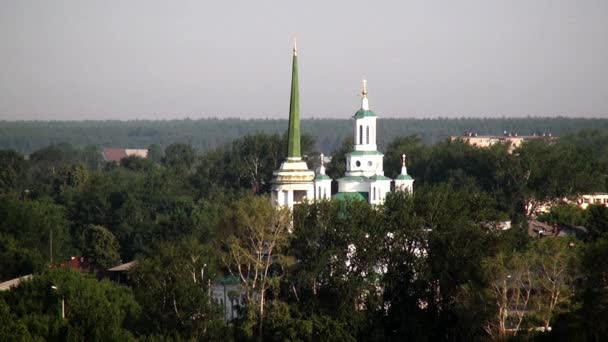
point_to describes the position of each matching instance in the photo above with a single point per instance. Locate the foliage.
(432, 265)
(30, 224)
(173, 284)
(247, 163)
(254, 249)
(208, 134)
(565, 214)
(95, 310)
(100, 247)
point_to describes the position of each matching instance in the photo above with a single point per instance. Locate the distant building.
(600, 198)
(582, 201)
(10, 284)
(228, 293)
(513, 139)
(77, 263)
(542, 229)
(117, 154)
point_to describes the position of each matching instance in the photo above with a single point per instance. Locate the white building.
(364, 177)
(598, 198)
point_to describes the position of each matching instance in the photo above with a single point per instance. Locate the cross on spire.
(322, 168)
(364, 100)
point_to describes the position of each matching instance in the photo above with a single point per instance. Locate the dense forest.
(207, 134)
(432, 265)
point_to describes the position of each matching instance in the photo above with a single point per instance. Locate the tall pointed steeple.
(293, 182)
(293, 135)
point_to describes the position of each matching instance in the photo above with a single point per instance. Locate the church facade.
(364, 178)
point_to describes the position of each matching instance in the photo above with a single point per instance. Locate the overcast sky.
(148, 59)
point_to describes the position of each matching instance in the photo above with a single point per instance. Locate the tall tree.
(12, 171)
(173, 284)
(254, 251)
(100, 247)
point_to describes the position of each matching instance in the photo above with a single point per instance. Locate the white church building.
(364, 178)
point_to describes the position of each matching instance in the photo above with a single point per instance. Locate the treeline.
(429, 266)
(207, 134)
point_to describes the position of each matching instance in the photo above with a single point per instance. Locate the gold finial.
(364, 91)
(295, 46)
(322, 161)
(403, 160)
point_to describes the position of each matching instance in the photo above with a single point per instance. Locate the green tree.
(554, 171)
(179, 156)
(91, 157)
(412, 147)
(16, 260)
(553, 261)
(100, 247)
(594, 293)
(172, 283)
(597, 220)
(32, 222)
(11, 329)
(13, 171)
(95, 310)
(337, 166)
(155, 153)
(255, 249)
(565, 214)
(136, 163)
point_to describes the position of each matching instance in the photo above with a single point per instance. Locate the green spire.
(293, 135)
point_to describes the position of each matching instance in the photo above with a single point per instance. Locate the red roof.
(75, 263)
(114, 154)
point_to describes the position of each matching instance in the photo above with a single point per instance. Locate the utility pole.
(53, 287)
(51, 246)
(62, 307)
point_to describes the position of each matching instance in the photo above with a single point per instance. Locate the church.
(364, 178)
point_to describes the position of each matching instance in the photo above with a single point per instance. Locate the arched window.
(319, 193)
(374, 197)
(367, 134)
(360, 134)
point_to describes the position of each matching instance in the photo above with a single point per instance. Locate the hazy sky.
(148, 59)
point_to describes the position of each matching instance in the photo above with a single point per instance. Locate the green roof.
(345, 196)
(378, 177)
(293, 134)
(361, 113)
(404, 177)
(362, 178)
(352, 179)
(365, 153)
(322, 177)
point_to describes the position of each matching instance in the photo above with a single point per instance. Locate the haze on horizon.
(149, 59)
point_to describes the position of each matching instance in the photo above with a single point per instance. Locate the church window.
(358, 163)
(370, 163)
(319, 193)
(374, 194)
(360, 134)
(367, 134)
